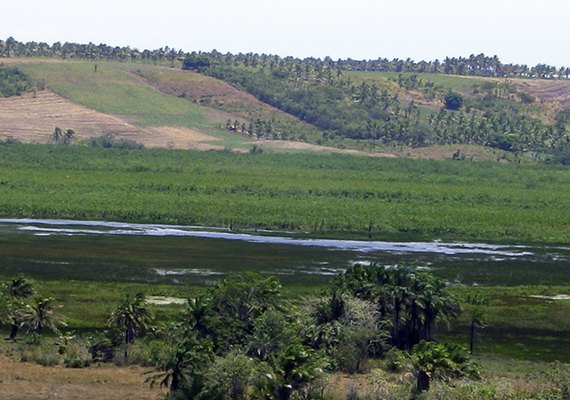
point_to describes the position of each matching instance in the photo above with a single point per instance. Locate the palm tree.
(131, 315)
(183, 366)
(40, 315)
(19, 288)
(477, 322)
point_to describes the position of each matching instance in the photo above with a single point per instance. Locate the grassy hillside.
(114, 89)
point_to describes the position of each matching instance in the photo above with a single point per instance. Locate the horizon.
(454, 56)
(517, 32)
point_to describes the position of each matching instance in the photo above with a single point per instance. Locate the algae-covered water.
(95, 250)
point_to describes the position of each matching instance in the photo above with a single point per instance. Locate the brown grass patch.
(195, 87)
(32, 118)
(553, 91)
(445, 152)
(301, 146)
(24, 381)
(176, 138)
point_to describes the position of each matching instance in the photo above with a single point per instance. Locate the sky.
(518, 31)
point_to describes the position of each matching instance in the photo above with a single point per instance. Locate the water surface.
(66, 249)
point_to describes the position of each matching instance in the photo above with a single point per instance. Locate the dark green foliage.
(109, 141)
(440, 361)
(233, 306)
(182, 369)
(133, 317)
(413, 301)
(343, 109)
(453, 101)
(196, 62)
(562, 117)
(13, 82)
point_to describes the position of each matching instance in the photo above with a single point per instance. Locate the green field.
(329, 194)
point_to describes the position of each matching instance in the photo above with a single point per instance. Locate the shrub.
(109, 141)
(453, 101)
(77, 356)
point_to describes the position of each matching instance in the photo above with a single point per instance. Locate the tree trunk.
(471, 336)
(14, 328)
(174, 383)
(284, 393)
(422, 384)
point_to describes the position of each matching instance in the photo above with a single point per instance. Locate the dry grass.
(445, 152)
(301, 146)
(32, 118)
(24, 381)
(553, 91)
(195, 87)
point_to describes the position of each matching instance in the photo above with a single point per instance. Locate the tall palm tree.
(132, 315)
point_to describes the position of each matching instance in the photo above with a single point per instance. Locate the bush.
(101, 348)
(109, 141)
(77, 356)
(41, 353)
(453, 101)
(397, 360)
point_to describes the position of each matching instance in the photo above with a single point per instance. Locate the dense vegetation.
(395, 103)
(495, 114)
(14, 82)
(245, 338)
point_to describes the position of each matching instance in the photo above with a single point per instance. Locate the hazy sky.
(518, 31)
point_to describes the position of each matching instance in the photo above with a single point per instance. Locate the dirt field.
(32, 118)
(555, 91)
(25, 381)
(195, 87)
(286, 145)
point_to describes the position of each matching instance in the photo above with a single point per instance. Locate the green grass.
(417, 199)
(517, 324)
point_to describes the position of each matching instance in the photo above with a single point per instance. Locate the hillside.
(290, 108)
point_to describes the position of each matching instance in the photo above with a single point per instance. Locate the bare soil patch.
(445, 152)
(196, 87)
(554, 91)
(175, 138)
(301, 146)
(24, 381)
(32, 118)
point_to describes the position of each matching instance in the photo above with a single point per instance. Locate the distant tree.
(197, 62)
(453, 101)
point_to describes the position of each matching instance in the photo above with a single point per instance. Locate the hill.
(293, 105)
